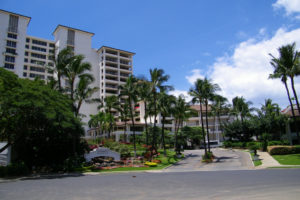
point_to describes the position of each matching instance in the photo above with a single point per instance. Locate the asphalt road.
(225, 160)
(241, 184)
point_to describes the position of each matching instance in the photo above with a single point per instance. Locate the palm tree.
(156, 85)
(287, 65)
(197, 93)
(76, 68)
(209, 91)
(241, 108)
(83, 92)
(165, 104)
(218, 107)
(110, 104)
(129, 90)
(181, 112)
(97, 121)
(144, 93)
(124, 115)
(61, 61)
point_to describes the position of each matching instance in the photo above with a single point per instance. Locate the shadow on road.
(51, 176)
(222, 159)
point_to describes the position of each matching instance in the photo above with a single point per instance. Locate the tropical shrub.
(14, 169)
(283, 150)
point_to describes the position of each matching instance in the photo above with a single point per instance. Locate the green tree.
(35, 118)
(197, 93)
(156, 85)
(129, 91)
(110, 105)
(144, 94)
(241, 108)
(84, 92)
(181, 112)
(287, 65)
(165, 104)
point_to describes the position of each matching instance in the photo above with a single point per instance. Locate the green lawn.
(291, 159)
(256, 162)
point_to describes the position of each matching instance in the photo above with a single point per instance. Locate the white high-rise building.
(30, 57)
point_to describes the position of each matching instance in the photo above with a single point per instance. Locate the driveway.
(225, 160)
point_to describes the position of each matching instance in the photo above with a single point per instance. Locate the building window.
(27, 46)
(38, 42)
(38, 48)
(12, 51)
(9, 66)
(11, 44)
(27, 40)
(26, 53)
(24, 74)
(50, 64)
(10, 35)
(38, 55)
(25, 67)
(52, 45)
(31, 75)
(25, 60)
(51, 51)
(71, 37)
(13, 23)
(37, 69)
(10, 59)
(37, 62)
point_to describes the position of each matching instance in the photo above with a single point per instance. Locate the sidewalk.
(268, 161)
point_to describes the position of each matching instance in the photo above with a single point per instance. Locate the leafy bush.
(123, 149)
(208, 157)
(283, 150)
(15, 169)
(278, 142)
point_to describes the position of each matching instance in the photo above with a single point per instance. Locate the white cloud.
(177, 93)
(290, 6)
(196, 74)
(245, 72)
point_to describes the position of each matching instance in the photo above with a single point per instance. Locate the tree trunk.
(293, 112)
(203, 134)
(125, 138)
(295, 94)
(133, 126)
(154, 127)
(163, 136)
(146, 124)
(206, 110)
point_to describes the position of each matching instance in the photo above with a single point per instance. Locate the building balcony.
(12, 29)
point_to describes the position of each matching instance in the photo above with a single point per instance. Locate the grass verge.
(255, 162)
(291, 159)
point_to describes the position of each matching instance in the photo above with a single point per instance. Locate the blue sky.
(227, 41)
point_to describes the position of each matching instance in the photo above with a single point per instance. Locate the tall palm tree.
(84, 92)
(241, 108)
(110, 104)
(156, 85)
(124, 115)
(129, 91)
(76, 68)
(61, 61)
(144, 93)
(209, 91)
(288, 64)
(181, 112)
(165, 104)
(197, 93)
(219, 107)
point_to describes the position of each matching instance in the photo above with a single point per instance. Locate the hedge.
(283, 150)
